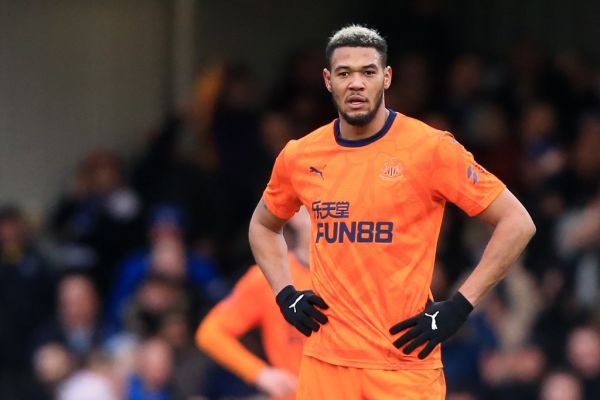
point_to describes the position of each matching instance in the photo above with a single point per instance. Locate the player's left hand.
(437, 323)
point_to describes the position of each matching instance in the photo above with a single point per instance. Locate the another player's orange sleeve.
(279, 196)
(218, 334)
(458, 178)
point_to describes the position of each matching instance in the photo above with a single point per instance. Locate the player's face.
(357, 81)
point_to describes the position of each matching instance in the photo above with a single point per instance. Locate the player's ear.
(327, 79)
(387, 77)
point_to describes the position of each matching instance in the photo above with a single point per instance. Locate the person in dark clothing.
(26, 286)
(97, 222)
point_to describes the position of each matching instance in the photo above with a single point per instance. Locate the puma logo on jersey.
(316, 171)
(433, 324)
(293, 305)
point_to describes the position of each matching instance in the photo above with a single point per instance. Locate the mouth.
(356, 101)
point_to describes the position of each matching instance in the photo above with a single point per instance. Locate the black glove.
(298, 308)
(437, 323)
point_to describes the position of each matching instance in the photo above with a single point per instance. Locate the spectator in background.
(583, 353)
(153, 376)
(93, 382)
(169, 257)
(234, 128)
(52, 364)
(527, 368)
(87, 385)
(77, 326)
(162, 307)
(95, 222)
(235, 122)
(26, 292)
(578, 238)
(576, 223)
(178, 166)
(544, 156)
(561, 385)
(156, 297)
(513, 374)
(543, 159)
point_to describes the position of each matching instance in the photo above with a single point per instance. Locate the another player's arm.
(513, 228)
(269, 247)
(219, 333)
(223, 345)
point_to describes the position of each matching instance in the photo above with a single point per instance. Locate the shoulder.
(416, 138)
(418, 129)
(319, 136)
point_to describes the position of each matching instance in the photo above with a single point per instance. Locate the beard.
(360, 119)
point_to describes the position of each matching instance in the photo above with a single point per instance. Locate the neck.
(355, 132)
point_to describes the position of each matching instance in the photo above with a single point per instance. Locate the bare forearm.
(270, 252)
(508, 241)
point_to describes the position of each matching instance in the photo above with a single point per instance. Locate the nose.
(356, 82)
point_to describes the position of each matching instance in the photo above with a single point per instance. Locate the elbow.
(527, 227)
(203, 336)
(251, 229)
(532, 228)
(521, 226)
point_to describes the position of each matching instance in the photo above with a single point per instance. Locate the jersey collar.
(363, 142)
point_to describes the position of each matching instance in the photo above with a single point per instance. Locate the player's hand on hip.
(301, 309)
(437, 323)
(276, 382)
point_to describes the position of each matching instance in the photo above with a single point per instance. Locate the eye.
(343, 74)
(370, 72)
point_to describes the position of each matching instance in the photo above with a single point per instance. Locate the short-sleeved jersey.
(251, 305)
(376, 207)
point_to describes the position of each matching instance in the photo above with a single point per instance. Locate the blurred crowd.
(104, 296)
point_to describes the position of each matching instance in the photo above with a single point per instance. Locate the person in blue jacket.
(168, 257)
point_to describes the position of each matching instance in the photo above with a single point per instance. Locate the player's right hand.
(276, 382)
(298, 308)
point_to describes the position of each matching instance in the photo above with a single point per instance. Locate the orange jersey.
(376, 208)
(252, 304)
